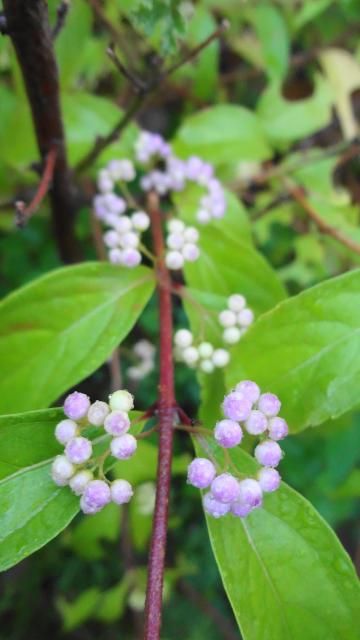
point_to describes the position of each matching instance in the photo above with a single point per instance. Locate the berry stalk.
(166, 403)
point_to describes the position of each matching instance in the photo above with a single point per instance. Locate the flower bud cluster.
(181, 243)
(203, 356)
(145, 352)
(235, 319)
(77, 466)
(245, 409)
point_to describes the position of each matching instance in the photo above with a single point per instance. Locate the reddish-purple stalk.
(165, 408)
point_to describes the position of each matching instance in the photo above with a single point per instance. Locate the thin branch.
(166, 403)
(103, 19)
(30, 32)
(143, 90)
(22, 211)
(61, 15)
(299, 196)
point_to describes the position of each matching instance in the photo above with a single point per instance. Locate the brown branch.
(166, 402)
(143, 90)
(299, 196)
(24, 212)
(30, 32)
(103, 19)
(61, 15)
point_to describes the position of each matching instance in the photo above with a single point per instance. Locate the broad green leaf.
(285, 121)
(307, 350)
(222, 134)
(284, 570)
(272, 32)
(87, 116)
(75, 613)
(62, 327)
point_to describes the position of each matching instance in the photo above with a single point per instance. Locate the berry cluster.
(181, 243)
(145, 352)
(235, 319)
(123, 235)
(203, 357)
(77, 467)
(245, 408)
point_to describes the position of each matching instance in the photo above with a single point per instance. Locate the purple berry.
(269, 404)
(225, 488)
(256, 423)
(95, 497)
(268, 453)
(78, 450)
(76, 405)
(121, 491)
(250, 493)
(240, 510)
(228, 433)
(269, 479)
(61, 470)
(236, 406)
(201, 473)
(123, 447)
(278, 428)
(213, 507)
(65, 431)
(79, 482)
(117, 423)
(250, 389)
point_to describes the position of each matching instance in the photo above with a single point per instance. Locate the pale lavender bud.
(122, 224)
(174, 260)
(79, 482)
(100, 208)
(123, 447)
(78, 450)
(256, 423)
(114, 203)
(236, 406)
(220, 358)
(278, 428)
(95, 497)
(194, 166)
(214, 507)
(76, 405)
(121, 400)
(228, 433)
(227, 318)
(97, 413)
(269, 479)
(117, 423)
(205, 350)
(225, 488)
(65, 431)
(245, 317)
(183, 338)
(61, 470)
(176, 226)
(268, 453)
(131, 257)
(190, 355)
(104, 181)
(144, 349)
(201, 473)
(250, 389)
(129, 240)
(175, 241)
(191, 235)
(269, 404)
(111, 239)
(190, 252)
(115, 256)
(250, 493)
(121, 491)
(240, 510)
(207, 366)
(236, 302)
(203, 216)
(140, 220)
(232, 335)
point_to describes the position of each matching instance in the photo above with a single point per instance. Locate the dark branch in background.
(22, 211)
(142, 89)
(61, 15)
(165, 407)
(30, 32)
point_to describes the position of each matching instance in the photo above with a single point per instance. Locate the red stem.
(23, 212)
(166, 402)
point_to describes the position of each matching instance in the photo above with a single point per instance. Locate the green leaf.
(75, 613)
(285, 121)
(272, 32)
(62, 327)
(307, 350)
(222, 134)
(284, 570)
